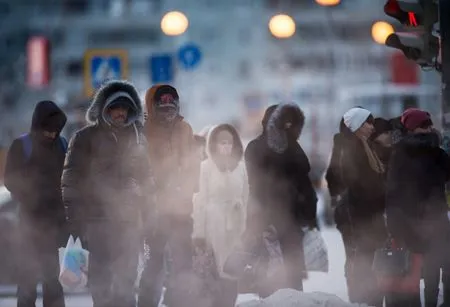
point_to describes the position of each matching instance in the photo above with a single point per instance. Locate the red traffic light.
(392, 9)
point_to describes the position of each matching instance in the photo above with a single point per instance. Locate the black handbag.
(391, 260)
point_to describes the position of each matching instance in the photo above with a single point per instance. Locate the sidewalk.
(10, 291)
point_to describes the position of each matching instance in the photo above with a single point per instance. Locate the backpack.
(28, 145)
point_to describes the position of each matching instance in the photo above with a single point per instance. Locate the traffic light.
(416, 40)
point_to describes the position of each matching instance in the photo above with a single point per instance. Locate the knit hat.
(355, 118)
(414, 118)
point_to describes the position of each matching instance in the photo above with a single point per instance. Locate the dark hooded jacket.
(107, 176)
(278, 170)
(35, 180)
(415, 198)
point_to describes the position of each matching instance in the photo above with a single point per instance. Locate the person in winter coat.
(381, 139)
(363, 174)
(107, 187)
(280, 187)
(176, 166)
(220, 206)
(416, 205)
(32, 174)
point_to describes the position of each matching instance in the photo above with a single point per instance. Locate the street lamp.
(174, 23)
(282, 26)
(380, 31)
(328, 2)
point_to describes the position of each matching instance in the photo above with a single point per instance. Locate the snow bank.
(294, 298)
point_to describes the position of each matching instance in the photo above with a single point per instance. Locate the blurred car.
(9, 238)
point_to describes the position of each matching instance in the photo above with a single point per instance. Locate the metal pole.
(444, 22)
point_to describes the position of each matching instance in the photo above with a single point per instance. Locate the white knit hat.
(355, 118)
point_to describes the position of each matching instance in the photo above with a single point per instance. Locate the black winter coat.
(279, 181)
(35, 181)
(415, 199)
(365, 196)
(107, 174)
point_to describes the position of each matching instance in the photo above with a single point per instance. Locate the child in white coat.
(220, 206)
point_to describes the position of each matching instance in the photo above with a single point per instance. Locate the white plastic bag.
(74, 263)
(315, 250)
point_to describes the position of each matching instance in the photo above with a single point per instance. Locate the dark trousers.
(170, 254)
(113, 261)
(292, 248)
(39, 262)
(361, 282)
(402, 300)
(228, 293)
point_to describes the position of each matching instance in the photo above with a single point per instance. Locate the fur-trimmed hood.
(96, 112)
(238, 148)
(277, 135)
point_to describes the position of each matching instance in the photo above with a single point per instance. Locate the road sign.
(162, 68)
(101, 65)
(189, 56)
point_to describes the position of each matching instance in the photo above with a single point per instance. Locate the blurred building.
(331, 50)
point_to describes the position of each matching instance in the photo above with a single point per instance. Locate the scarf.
(374, 160)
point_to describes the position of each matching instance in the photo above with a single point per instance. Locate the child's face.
(224, 143)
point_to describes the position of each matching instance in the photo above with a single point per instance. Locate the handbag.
(397, 270)
(391, 260)
(315, 251)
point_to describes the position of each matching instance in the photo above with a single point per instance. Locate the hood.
(420, 141)
(238, 148)
(277, 136)
(96, 113)
(267, 115)
(48, 116)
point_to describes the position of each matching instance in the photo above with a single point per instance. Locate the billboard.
(38, 62)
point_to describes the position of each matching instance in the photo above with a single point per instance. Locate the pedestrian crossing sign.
(101, 65)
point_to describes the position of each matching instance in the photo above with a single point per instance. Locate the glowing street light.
(282, 26)
(174, 23)
(380, 31)
(328, 2)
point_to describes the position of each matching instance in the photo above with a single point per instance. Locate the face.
(366, 130)
(224, 143)
(49, 135)
(384, 139)
(424, 130)
(118, 115)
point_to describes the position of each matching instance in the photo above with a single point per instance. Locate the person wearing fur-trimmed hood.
(176, 165)
(220, 205)
(106, 186)
(280, 187)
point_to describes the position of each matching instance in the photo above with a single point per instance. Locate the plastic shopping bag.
(315, 250)
(74, 263)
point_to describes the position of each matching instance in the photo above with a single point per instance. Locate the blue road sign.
(189, 56)
(103, 65)
(162, 68)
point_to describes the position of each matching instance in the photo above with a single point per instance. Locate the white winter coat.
(220, 206)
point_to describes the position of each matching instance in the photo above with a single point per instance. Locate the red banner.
(38, 62)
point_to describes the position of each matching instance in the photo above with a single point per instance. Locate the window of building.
(74, 68)
(75, 6)
(128, 35)
(338, 31)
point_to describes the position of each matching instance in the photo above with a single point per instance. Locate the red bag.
(409, 283)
